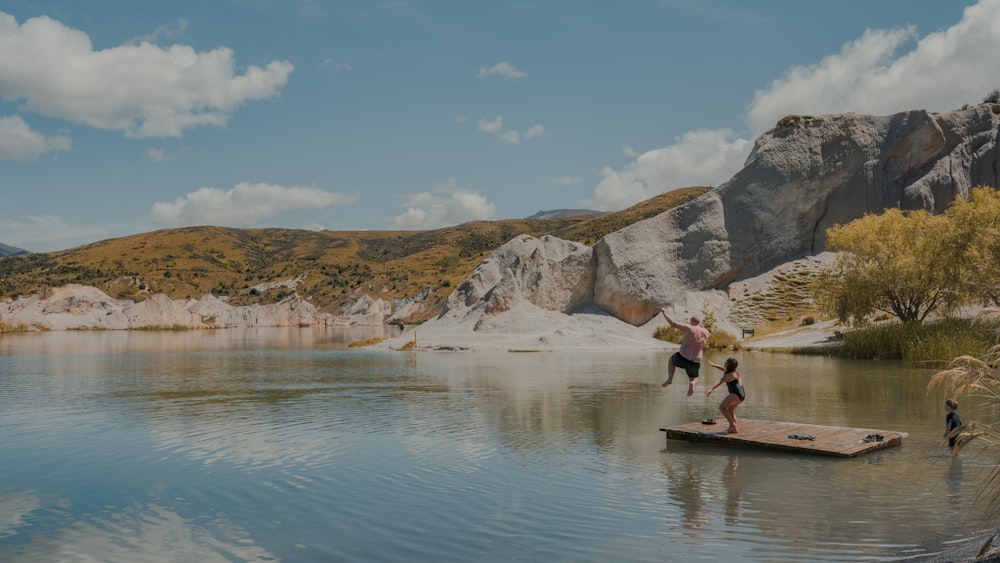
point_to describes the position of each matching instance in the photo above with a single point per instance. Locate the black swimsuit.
(736, 388)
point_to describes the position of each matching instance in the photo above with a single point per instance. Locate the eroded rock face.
(548, 272)
(802, 177)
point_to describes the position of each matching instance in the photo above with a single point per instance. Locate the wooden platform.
(776, 436)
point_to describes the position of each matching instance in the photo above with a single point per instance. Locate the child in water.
(736, 395)
(951, 420)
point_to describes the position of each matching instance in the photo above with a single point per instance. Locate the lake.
(286, 445)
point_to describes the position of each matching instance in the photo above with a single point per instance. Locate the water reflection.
(214, 438)
(142, 532)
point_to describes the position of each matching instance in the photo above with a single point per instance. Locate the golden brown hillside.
(332, 268)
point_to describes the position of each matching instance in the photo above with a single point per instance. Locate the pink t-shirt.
(695, 337)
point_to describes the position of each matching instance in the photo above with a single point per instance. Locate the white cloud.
(336, 65)
(502, 69)
(164, 32)
(241, 206)
(534, 131)
(512, 136)
(156, 154)
(944, 70)
(629, 152)
(448, 205)
(143, 90)
(495, 126)
(699, 158)
(45, 233)
(19, 142)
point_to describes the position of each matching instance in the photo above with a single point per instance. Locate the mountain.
(333, 270)
(10, 251)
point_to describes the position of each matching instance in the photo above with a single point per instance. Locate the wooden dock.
(789, 437)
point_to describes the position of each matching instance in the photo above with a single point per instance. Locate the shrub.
(668, 334)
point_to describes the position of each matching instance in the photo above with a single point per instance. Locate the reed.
(931, 344)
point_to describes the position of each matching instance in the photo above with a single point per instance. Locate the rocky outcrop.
(548, 272)
(78, 307)
(802, 177)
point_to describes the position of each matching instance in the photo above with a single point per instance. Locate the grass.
(931, 344)
(365, 342)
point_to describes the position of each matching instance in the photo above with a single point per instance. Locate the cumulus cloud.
(164, 32)
(495, 127)
(448, 205)
(873, 74)
(19, 142)
(942, 71)
(143, 90)
(241, 206)
(699, 158)
(502, 69)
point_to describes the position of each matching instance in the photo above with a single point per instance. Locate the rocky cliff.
(802, 177)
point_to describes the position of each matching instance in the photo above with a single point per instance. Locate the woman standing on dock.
(736, 395)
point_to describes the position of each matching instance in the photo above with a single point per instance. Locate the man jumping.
(688, 357)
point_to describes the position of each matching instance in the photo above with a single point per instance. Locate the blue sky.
(125, 117)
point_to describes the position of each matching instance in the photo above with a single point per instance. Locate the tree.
(993, 97)
(900, 263)
(976, 220)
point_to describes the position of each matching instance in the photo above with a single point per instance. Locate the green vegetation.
(898, 275)
(930, 344)
(912, 264)
(898, 263)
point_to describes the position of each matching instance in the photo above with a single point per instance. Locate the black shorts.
(692, 368)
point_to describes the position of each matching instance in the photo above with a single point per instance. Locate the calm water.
(285, 445)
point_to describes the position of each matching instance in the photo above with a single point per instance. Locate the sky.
(118, 118)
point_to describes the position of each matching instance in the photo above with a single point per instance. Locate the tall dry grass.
(977, 375)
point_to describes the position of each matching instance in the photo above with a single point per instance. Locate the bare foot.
(690, 390)
(732, 430)
(667, 382)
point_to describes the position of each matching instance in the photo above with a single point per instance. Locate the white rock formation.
(76, 307)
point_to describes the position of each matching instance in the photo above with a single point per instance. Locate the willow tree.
(976, 238)
(901, 263)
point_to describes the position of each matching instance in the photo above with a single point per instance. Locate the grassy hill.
(330, 268)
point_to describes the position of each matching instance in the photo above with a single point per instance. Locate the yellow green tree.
(901, 263)
(976, 239)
